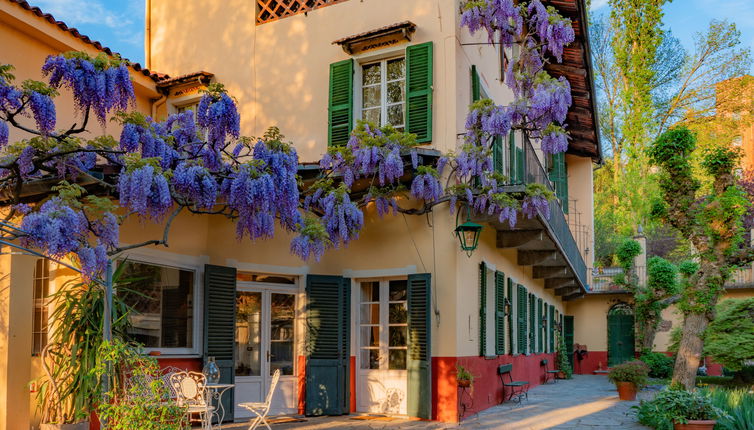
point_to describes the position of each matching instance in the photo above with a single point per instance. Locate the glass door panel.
(248, 333)
(282, 313)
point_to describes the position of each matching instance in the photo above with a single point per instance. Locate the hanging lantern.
(468, 234)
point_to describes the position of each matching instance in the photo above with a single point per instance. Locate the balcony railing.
(603, 281)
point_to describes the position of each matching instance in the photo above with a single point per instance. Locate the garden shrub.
(738, 406)
(660, 365)
(673, 405)
(729, 338)
(631, 371)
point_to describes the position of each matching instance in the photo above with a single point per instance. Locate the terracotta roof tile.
(155, 76)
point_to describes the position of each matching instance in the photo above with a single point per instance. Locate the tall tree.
(712, 220)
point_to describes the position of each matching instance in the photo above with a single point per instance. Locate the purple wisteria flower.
(342, 218)
(194, 184)
(218, 114)
(145, 191)
(26, 161)
(427, 186)
(4, 133)
(252, 194)
(43, 110)
(535, 204)
(305, 246)
(55, 228)
(554, 141)
(104, 87)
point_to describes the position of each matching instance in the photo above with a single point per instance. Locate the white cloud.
(77, 12)
(598, 4)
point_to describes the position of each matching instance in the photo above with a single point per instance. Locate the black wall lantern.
(468, 233)
(544, 322)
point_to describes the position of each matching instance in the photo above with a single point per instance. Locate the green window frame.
(522, 329)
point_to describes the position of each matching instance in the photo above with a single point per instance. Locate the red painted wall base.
(487, 390)
(596, 359)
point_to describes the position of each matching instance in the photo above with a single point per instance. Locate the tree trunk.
(648, 332)
(690, 350)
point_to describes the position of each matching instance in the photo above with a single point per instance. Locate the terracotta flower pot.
(84, 425)
(560, 375)
(626, 390)
(695, 425)
(464, 383)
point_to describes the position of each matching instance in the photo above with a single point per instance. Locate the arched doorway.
(620, 334)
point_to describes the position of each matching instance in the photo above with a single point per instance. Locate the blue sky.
(687, 17)
(119, 24)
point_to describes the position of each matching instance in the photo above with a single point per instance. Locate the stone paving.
(585, 402)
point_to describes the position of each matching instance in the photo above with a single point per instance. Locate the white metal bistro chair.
(262, 409)
(191, 391)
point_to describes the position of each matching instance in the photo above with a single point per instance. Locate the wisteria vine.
(201, 163)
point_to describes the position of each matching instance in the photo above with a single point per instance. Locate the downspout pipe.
(148, 34)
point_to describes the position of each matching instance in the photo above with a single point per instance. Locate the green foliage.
(720, 159)
(688, 268)
(675, 339)
(463, 374)
(660, 365)
(631, 371)
(139, 399)
(626, 252)
(676, 406)
(729, 338)
(564, 365)
(662, 276)
(73, 350)
(5, 73)
(738, 406)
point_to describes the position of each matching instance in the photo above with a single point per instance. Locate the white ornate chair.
(191, 392)
(262, 409)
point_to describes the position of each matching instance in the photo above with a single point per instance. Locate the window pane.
(396, 69)
(370, 291)
(370, 358)
(281, 332)
(395, 115)
(248, 333)
(397, 336)
(395, 92)
(397, 290)
(372, 115)
(398, 313)
(370, 314)
(370, 336)
(162, 302)
(371, 96)
(371, 74)
(397, 359)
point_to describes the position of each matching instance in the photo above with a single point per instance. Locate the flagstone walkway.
(585, 402)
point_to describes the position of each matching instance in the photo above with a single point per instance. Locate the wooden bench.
(549, 374)
(517, 389)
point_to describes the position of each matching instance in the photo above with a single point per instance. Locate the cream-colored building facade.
(278, 68)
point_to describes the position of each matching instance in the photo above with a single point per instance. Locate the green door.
(620, 334)
(328, 320)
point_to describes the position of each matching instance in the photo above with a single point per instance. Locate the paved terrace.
(585, 402)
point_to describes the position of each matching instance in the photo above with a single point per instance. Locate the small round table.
(216, 394)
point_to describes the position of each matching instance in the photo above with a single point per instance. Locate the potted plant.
(684, 410)
(138, 397)
(464, 377)
(70, 389)
(628, 378)
(564, 364)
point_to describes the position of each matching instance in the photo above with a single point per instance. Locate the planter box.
(695, 425)
(84, 425)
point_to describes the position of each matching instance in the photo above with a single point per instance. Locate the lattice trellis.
(270, 10)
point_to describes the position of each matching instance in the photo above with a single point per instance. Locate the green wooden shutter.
(482, 309)
(419, 91)
(340, 108)
(568, 336)
(532, 323)
(540, 329)
(522, 326)
(328, 319)
(220, 325)
(497, 155)
(516, 160)
(499, 313)
(512, 345)
(559, 178)
(419, 362)
(476, 86)
(552, 328)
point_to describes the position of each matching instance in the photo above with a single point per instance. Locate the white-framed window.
(192, 105)
(383, 92)
(41, 290)
(383, 324)
(164, 306)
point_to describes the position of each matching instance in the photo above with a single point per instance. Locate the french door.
(265, 342)
(383, 340)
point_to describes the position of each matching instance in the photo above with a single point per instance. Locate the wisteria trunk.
(690, 350)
